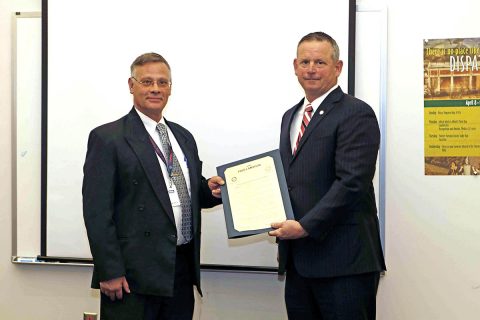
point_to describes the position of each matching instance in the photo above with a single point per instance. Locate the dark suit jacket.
(127, 210)
(330, 186)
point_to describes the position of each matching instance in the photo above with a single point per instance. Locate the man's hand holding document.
(254, 194)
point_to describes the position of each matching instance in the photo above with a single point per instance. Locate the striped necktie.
(307, 115)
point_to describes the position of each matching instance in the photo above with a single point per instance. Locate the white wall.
(432, 223)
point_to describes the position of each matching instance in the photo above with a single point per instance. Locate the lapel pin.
(321, 111)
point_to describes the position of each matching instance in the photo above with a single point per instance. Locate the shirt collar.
(149, 123)
(317, 102)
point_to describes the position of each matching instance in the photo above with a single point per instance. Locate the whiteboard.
(232, 70)
(225, 80)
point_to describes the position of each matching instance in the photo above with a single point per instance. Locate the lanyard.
(169, 163)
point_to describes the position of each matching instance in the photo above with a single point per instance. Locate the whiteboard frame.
(19, 244)
(382, 11)
(18, 255)
(47, 236)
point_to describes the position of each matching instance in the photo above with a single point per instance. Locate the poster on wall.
(452, 106)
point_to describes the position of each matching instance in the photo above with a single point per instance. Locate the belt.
(184, 248)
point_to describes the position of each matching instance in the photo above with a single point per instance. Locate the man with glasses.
(329, 143)
(142, 193)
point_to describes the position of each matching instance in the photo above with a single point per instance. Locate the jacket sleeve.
(355, 155)
(98, 192)
(207, 200)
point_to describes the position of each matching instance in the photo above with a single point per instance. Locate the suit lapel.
(321, 113)
(137, 137)
(285, 143)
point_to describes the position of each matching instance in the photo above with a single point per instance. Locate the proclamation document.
(254, 194)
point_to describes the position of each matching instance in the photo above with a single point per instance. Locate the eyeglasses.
(161, 83)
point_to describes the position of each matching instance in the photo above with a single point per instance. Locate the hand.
(113, 288)
(288, 229)
(214, 184)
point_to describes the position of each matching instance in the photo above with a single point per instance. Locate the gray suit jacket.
(127, 210)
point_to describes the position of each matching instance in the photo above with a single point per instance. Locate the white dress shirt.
(151, 126)
(297, 118)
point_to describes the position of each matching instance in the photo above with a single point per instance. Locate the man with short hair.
(142, 193)
(329, 143)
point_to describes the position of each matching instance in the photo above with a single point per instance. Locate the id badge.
(173, 194)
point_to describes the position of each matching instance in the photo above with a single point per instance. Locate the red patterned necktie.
(307, 115)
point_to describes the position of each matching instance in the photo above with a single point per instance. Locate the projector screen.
(232, 75)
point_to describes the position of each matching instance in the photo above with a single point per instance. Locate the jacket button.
(290, 188)
(147, 234)
(135, 182)
(141, 208)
